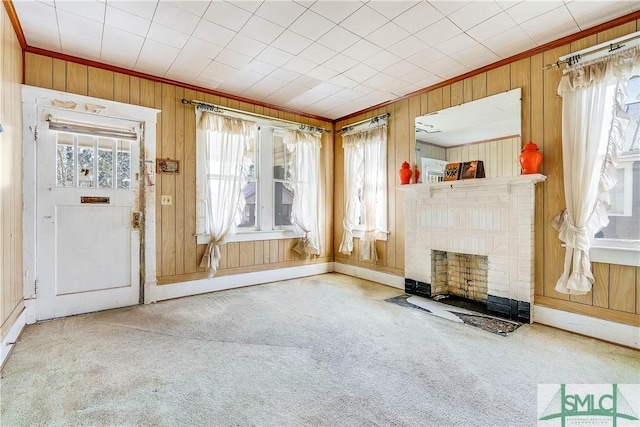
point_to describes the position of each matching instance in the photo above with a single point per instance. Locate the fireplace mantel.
(491, 217)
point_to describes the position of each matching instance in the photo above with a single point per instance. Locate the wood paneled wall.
(616, 293)
(11, 283)
(177, 254)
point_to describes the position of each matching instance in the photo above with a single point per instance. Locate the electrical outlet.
(166, 200)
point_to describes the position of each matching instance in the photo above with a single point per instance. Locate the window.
(268, 192)
(616, 242)
(365, 166)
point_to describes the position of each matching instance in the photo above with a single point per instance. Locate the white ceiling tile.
(260, 67)
(364, 21)
(306, 98)
(82, 47)
(340, 63)
(391, 9)
(589, 14)
(635, 5)
(283, 13)
(408, 47)
(264, 88)
(246, 45)
(249, 6)
(492, 26)
(399, 87)
(227, 15)
(336, 11)
(474, 13)
(233, 59)
(143, 9)
(274, 56)
(241, 81)
(311, 25)
(291, 42)
(322, 73)
(93, 10)
(216, 73)
(213, 33)
(387, 35)
(400, 68)
(35, 11)
(382, 60)
(526, 10)
(121, 47)
(418, 17)
(508, 4)
(284, 74)
(440, 31)
(510, 42)
(167, 35)
(79, 25)
(285, 94)
(475, 57)
(360, 72)
(550, 26)
(350, 94)
(428, 80)
(260, 29)
(342, 80)
(200, 47)
(379, 80)
(426, 56)
(446, 68)
(41, 34)
(317, 53)
(156, 58)
(126, 21)
(323, 105)
(194, 7)
(173, 17)
(328, 88)
(338, 39)
(306, 81)
(299, 65)
(448, 6)
(361, 50)
(455, 44)
(187, 67)
(418, 76)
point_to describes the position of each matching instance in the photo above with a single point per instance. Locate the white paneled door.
(88, 220)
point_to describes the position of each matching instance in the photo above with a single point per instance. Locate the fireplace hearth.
(475, 240)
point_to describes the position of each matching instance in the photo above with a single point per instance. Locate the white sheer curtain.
(371, 143)
(225, 149)
(305, 169)
(593, 123)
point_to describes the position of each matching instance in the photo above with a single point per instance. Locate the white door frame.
(32, 99)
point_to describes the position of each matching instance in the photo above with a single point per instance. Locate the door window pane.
(64, 160)
(123, 164)
(105, 163)
(85, 161)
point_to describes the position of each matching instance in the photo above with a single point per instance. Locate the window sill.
(252, 236)
(359, 233)
(621, 252)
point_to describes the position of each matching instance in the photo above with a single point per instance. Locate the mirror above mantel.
(486, 129)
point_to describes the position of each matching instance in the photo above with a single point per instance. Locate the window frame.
(265, 228)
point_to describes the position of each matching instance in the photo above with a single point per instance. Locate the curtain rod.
(610, 46)
(221, 110)
(371, 121)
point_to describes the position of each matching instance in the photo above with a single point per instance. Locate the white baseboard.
(194, 287)
(372, 275)
(605, 330)
(9, 340)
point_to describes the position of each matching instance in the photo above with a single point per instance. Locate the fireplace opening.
(459, 275)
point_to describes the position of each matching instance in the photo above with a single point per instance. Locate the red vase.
(405, 173)
(530, 158)
(416, 174)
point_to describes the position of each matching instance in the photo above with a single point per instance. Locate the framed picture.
(472, 169)
(452, 172)
(168, 166)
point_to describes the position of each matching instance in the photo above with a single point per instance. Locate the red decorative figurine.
(405, 173)
(530, 158)
(416, 174)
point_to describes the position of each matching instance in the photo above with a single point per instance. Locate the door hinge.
(35, 288)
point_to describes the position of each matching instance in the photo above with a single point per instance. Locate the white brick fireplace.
(492, 217)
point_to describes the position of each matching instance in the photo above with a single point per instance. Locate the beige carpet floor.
(320, 351)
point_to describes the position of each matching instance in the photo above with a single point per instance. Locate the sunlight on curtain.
(225, 149)
(364, 152)
(305, 166)
(593, 124)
